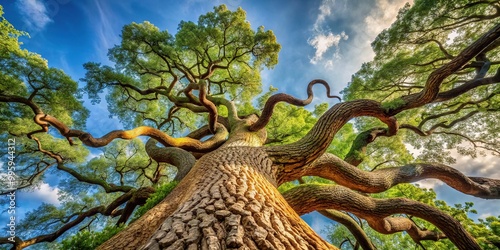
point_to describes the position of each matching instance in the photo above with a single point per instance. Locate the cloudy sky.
(327, 39)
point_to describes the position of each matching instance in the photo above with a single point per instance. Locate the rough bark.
(231, 203)
(236, 206)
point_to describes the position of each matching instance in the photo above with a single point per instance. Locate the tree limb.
(267, 112)
(177, 157)
(351, 225)
(431, 90)
(333, 168)
(310, 197)
(298, 154)
(212, 109)
(20, 244)
(390, 225)
(185, 143)
(361, 142)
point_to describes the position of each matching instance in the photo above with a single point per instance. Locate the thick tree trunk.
(231, 202)
(235, 206)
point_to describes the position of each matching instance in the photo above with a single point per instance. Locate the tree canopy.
(194, 113)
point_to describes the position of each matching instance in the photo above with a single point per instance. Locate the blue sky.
(327, 39)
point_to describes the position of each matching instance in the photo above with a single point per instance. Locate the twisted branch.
(361, 142)
(110, 210)
(267, 112)
(333, 168)
(185, 142)
(212, 109)
(430, 93)
(390, 225)
(177, 157)
(310, 197)
(291, 157)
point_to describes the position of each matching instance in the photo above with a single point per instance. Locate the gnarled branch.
(361, 142)
(390, 225)
(310, 197)
(177, 157)
(333, 168)
(185, 143)
(292, 156)
(212, 109)
(267, 112)
(104, 210)
(430, 93)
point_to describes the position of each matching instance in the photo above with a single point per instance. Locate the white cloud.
(323, 42)
(383, 16)
(486, 166)
(323, 39)
(325, 9)
(103, 28)
(35, 14)
(43, 194)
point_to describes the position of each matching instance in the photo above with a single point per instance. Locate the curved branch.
(138, 198)
(185, 143)
(456, 110)
(20, 244)
(19, 99)
(293, 156)
(212, 109)
(310, 197)
(267, 112)
(232, 117)
(469, 85)
(177, 157)
(108, 188)
(333, 168)
(346, 220)
(390, 225)
(431, 90)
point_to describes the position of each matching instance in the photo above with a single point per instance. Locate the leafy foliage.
(87, 240)
(152, 66)
(160, 193)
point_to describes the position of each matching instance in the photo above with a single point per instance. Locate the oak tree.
(191, 94)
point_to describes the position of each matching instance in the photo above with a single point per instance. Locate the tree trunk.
(230, 202)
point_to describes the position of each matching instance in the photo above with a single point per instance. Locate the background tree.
(192, 93)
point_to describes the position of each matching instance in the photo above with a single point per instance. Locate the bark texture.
(235, 206)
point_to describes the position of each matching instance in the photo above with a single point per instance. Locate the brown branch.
(212, 109)
(109, 188)
(177, 157)
(89, 140)
(456, 110)
(430, 93)
(138, 198)
(391, 225)
(469, 85)
(267, 112)
(310, 197)
(490, 146)
(333, 168)
(20, 244)
(293, 156)
(346, 220)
